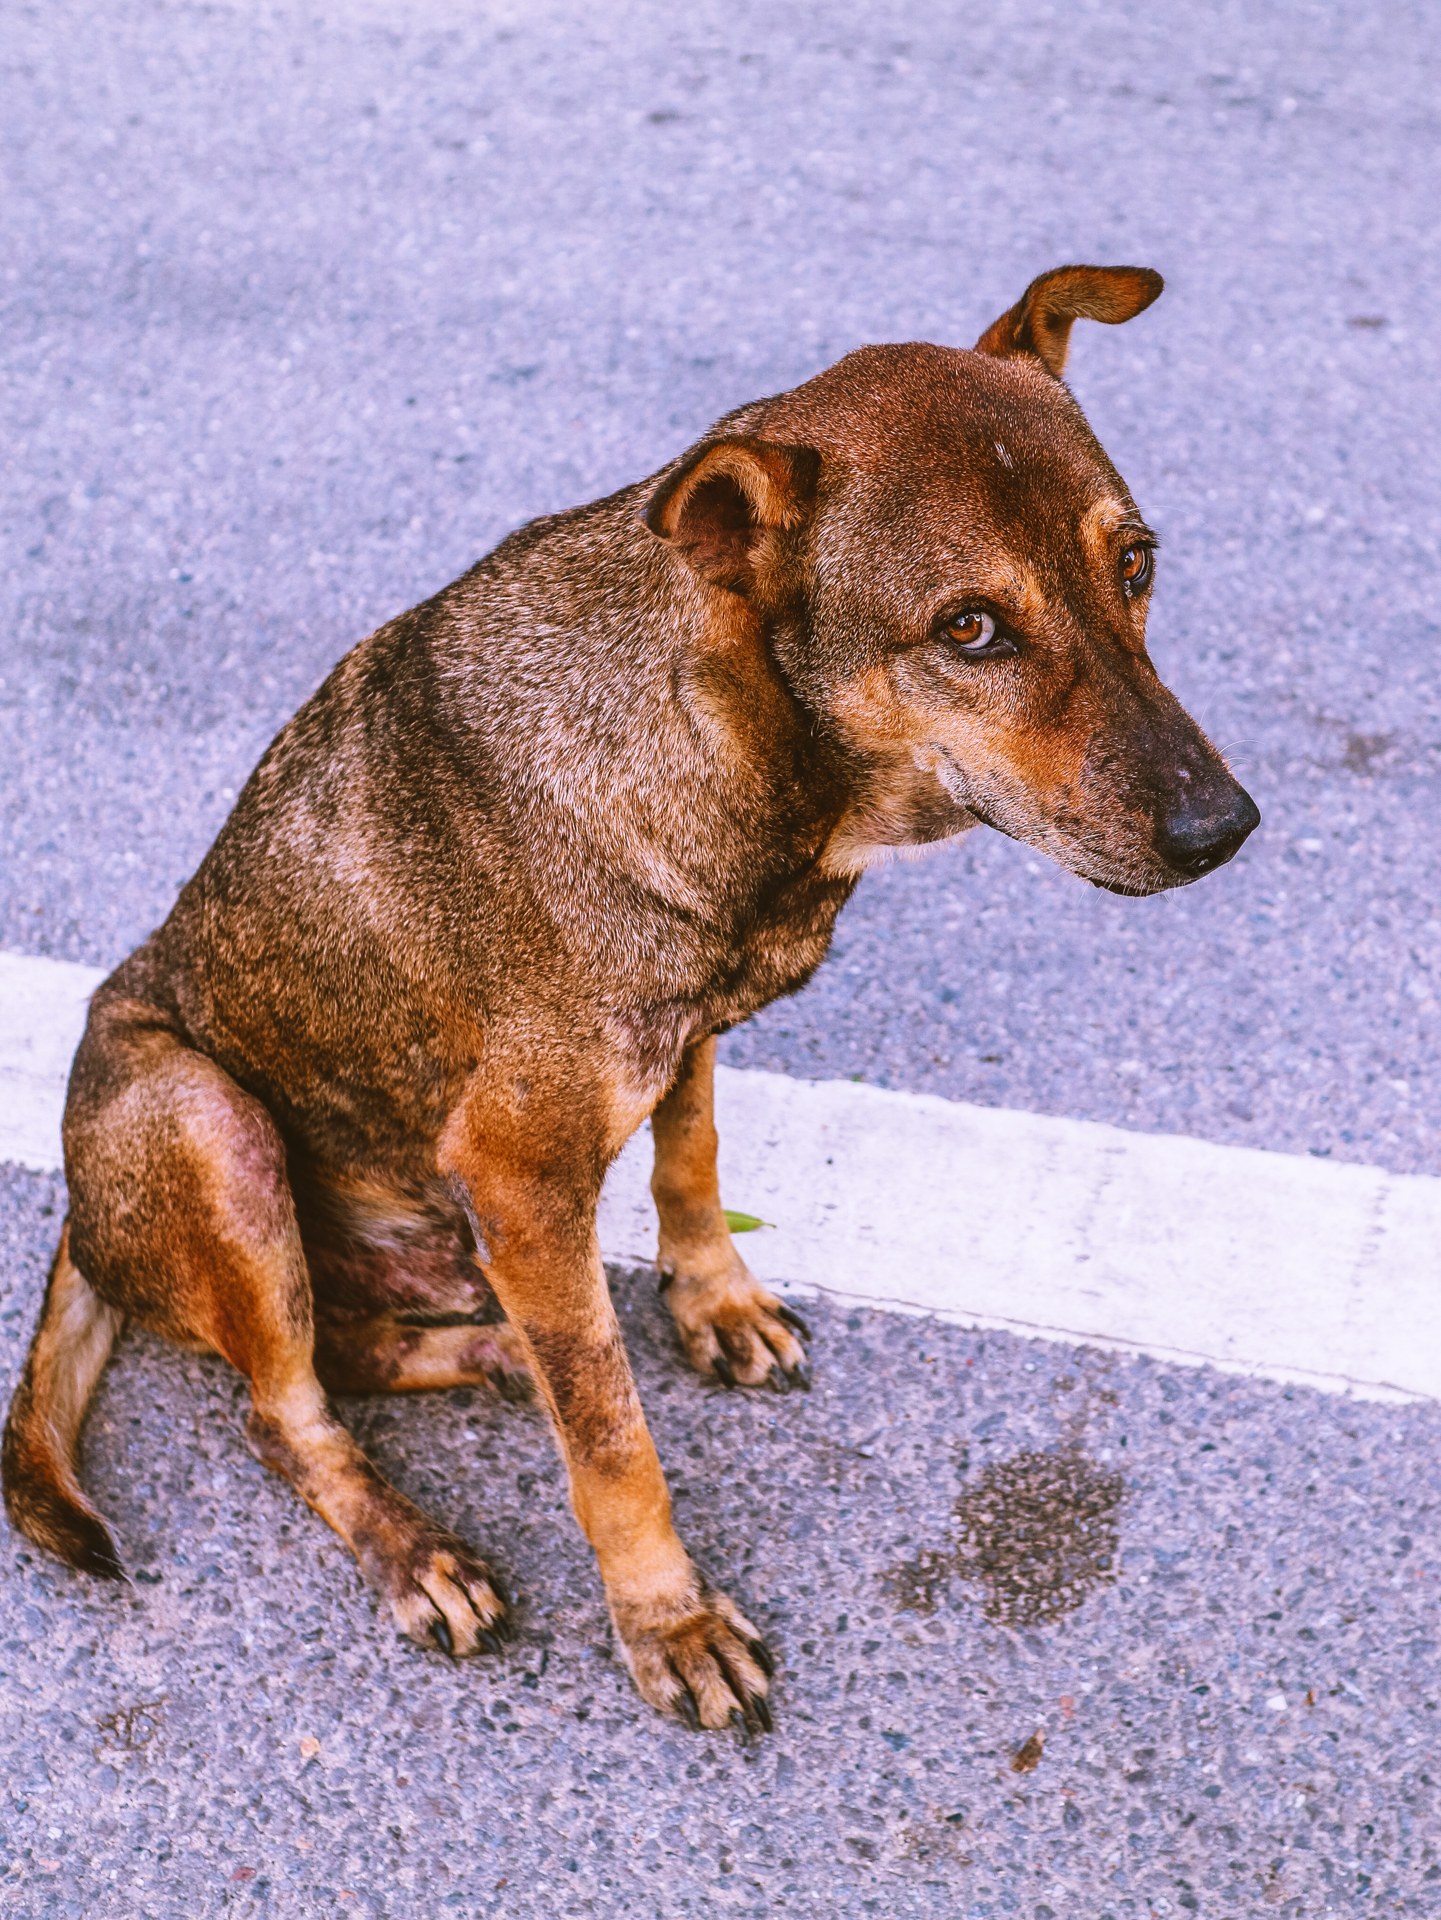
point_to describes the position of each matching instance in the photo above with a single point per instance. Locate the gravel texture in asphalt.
(1057, 1633)
(300, 310)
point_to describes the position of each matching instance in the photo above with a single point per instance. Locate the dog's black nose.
(1195, 839)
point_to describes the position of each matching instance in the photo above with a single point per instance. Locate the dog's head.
(955, 581)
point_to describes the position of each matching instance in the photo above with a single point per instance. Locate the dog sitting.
(489, 897)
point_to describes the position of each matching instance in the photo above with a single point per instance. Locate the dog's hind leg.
(182, 1215)
(387, 1356)
(729, 1324)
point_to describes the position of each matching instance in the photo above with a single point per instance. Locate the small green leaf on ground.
(744, 1222)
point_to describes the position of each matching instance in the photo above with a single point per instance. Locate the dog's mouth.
(1126, 891)
(1182, 848)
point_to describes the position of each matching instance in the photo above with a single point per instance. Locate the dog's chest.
(773, 951)
(720, 976)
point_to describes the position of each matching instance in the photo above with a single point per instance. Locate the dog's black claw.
(511, 1386)
(686, 1707)
(489, 1641)
(440, 1634)
(762, 1713)
(777, 1380)
(794, 1322)
(800, 1376)
(502, 1626)
(724, 1371)
(741, 1724)
(761, 1654)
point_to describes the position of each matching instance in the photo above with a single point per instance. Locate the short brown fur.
(490, 895)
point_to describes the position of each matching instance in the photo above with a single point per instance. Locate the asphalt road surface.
(300, 310)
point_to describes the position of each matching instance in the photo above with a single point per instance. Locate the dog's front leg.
(730, 1325)
(686, 1645)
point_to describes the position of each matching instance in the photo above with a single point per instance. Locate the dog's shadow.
(201, 1523)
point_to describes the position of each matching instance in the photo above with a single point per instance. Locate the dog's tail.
(38, 1458)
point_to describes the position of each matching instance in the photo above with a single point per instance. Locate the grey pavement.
(1238, 1696)
(300, 310)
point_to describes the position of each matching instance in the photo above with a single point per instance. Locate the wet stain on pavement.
(1038, 1533)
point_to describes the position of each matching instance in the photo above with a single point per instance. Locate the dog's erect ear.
(1040, 322)
(717, 510)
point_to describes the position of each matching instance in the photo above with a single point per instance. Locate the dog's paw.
(495, 1355)
(733, 1330)
(702, 1660)
(441, 1595)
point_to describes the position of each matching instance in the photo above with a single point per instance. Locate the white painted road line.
(1296, 1269)
(42, 1016)
(1255, 1262)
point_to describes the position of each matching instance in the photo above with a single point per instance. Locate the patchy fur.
(488, 896)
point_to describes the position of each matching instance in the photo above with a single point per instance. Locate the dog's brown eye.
(974, 634)
(1136, 566)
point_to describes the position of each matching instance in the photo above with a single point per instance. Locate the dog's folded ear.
(722, 506)
(1040, 322)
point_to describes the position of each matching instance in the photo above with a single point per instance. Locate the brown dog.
(488, 898)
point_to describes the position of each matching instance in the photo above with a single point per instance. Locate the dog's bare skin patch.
(344, 1119)
(385, 1356)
